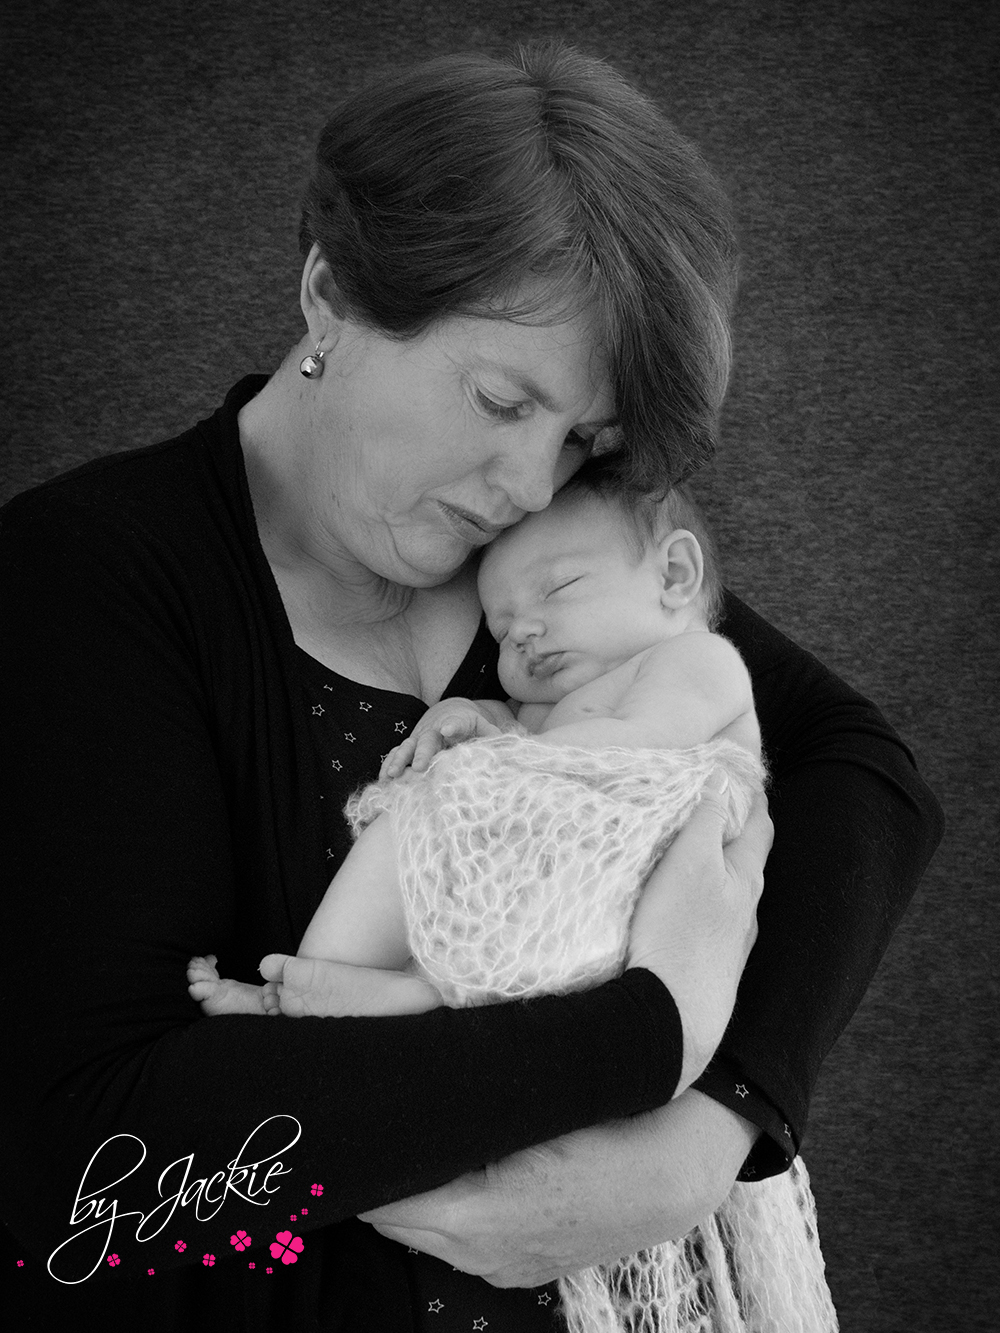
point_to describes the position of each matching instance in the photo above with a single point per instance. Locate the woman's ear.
(682, 569)
(322, 305)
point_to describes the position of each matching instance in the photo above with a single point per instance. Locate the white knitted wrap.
(520, 864)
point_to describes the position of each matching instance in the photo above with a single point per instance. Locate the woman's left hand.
(584, 1199)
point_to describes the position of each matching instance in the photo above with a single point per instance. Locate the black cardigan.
(159, 800)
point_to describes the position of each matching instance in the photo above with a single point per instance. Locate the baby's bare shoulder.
(694, 664)
(696, 646)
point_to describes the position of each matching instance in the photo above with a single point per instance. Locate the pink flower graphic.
(20, 1263)
(293, 1217)
(287, 1247)
(241, 1240)
(316, 1189)
(150, 1271)
(113, 1260)
(180, 1246)
(208, 1260)
(304, 1212)
(270, 1270)
(251, 1265)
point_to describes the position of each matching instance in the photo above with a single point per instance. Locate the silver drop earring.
(312, 366)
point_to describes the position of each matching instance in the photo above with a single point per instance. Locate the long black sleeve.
(855, 826)
(147, 783)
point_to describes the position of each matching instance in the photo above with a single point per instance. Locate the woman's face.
(421, 451)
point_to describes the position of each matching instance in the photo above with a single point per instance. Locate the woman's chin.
(428, 564)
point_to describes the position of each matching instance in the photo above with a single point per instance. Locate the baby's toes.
(272, 967)
(271, 995)
(292, 1004)
(203, 968)
(202, 977)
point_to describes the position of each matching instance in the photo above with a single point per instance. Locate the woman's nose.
(531, 472)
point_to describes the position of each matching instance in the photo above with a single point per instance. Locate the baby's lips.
(543, 667)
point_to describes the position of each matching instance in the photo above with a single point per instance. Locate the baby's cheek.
(509, 677)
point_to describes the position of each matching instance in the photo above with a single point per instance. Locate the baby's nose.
(523, 629)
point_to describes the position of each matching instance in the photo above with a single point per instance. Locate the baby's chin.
(526, 690)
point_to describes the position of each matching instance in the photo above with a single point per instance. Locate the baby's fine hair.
(647, 518)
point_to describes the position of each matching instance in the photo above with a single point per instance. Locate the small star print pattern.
(448, 1301)
(353, 727)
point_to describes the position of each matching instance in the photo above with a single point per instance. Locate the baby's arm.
(446, 724)
(685, 692)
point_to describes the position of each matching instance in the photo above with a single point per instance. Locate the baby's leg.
(218, 995)
(360, 919)
(360, 922)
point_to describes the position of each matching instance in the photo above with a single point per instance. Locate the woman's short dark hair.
(466, 184)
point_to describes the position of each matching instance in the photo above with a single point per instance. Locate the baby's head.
(576, 590)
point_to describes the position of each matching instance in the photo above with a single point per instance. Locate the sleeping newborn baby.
(603, 613)
(504, 848)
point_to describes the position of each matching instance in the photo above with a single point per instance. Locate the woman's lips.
(471, 527)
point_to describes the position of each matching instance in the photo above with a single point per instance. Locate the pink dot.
(20, 1263)
(251, 1265)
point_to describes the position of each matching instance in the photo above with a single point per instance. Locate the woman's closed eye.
(499, 411)
(509, 412)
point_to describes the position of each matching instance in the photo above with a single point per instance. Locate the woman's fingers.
(745, 858)
(695, 922)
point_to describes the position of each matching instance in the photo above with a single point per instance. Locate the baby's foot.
(312, 988)
(271, 995)
(219, 995)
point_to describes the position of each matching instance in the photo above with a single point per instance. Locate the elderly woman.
(514, 269)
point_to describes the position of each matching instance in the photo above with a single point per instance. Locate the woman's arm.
(855, 827)
(118, 854)
(588, 1198)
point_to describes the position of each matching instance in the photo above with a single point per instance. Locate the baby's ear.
(682, 569)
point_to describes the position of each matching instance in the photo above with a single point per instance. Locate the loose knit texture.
(520, 864)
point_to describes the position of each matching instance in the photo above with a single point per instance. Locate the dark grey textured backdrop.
(153, 158)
